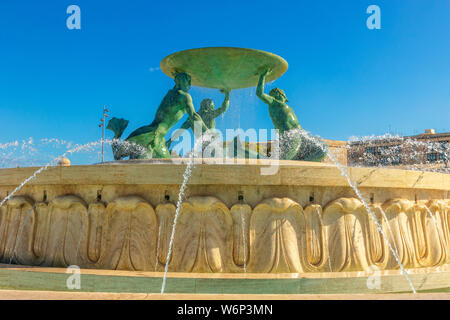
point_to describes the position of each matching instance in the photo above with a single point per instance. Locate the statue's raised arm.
(225, 103)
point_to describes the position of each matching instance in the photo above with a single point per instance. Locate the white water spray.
(388, 226)
(78, 148)
(344, 172)
(438, 227)
(186, 176)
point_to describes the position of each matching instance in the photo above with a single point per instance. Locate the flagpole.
(103, 136)
(102, 124)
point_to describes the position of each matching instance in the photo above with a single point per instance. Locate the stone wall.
(276, 235)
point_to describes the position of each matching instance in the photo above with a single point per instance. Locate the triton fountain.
(308, 227)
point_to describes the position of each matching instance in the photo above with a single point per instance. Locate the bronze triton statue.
(149, 141)
(216, 67)
(207, 113)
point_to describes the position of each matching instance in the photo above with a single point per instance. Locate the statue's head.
(206, 105)
(278, 94)
(183, 80)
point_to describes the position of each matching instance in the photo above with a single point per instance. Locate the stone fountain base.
(425, 280)
(303, 220)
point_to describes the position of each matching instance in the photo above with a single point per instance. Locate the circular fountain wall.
(302, 218)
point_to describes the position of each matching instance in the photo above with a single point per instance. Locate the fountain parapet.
(305, 218)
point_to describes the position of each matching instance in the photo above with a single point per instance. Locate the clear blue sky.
(343, 79)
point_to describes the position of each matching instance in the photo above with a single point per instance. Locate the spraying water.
(186, 176)
(407, 153)
(30, 152)
(78, 148)
(24, 183)
(344, 172)
(388, 226)
(438, 227)
(415, 157)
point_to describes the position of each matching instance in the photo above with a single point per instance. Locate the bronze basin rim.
(258, 59)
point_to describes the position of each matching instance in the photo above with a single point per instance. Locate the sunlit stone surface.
(302, 219)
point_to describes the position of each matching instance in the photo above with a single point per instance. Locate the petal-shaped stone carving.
(129, 235)
(165, 213)
(316, 248)
(446, 209)
(96, 214)
(42, 229)
(441, 212)
(447, 222)
(277, 237)
(203, 237)
(378, 251)
(17, 231)
(345, 224)
(241, 218)
(3, 229)
(401, 237)
(429, 239)
(67, 230)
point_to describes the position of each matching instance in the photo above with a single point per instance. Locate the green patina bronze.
(294, 146)
(240, 149)
(151, 138)
(224, 68)
(208, 115)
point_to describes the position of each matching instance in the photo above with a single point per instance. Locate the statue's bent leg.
(149, 145)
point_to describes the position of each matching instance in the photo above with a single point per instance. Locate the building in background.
(426, 150)
(429, 150)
